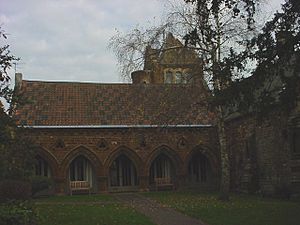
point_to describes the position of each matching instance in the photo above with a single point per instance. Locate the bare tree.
(219, 31)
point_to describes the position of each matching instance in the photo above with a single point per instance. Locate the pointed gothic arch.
(169, 152)
(129, 153)
(208, 153)
(201, 168)
(46, 164)
(163, 166)
(123, 169)
(82, 164)
(88, 154)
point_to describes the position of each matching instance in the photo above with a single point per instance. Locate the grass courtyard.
(106, 210)
(87, 210)
(240, 210)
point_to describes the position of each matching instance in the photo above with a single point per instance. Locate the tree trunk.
(225, 176)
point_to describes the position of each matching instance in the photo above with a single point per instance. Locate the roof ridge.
(108, 84)
(73, 82)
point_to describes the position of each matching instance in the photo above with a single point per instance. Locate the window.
(187, 78)
(42, 167)
(161, 167)
(81, 170)
(198, 169)
(178, 77)
(123, 172)
(168, 77)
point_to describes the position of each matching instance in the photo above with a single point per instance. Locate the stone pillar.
(180, 181)
(144, 183)
(60, 186)
(102, 183)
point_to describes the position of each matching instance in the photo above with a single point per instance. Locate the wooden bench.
(80, 186)
(162, 182)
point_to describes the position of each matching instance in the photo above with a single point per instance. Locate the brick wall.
(101, 146)
(260, 154)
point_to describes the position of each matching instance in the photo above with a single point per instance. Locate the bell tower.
(173, 64)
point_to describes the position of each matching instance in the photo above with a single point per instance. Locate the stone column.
(60, 186)
(103, 183)
(180, 181)
(144, 183)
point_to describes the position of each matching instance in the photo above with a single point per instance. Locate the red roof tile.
(84, 104)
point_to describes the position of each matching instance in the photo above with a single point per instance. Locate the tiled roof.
(86, 104)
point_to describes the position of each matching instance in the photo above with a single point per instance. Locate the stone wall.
(261, 154)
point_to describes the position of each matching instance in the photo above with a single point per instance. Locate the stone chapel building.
(155, 133)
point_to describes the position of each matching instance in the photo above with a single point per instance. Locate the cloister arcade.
(124, 170)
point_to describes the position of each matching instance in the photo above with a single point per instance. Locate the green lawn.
(87, 210)
(241, 210)
(77, 198)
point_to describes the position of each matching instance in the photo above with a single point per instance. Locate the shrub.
(40, 183)
(17, 213)
(14, 190)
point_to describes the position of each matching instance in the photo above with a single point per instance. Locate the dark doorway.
(81, 170)
(161, 168)
(199, 170)
(122, 172)
(42, 168)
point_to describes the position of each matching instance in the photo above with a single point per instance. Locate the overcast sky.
(67, 39)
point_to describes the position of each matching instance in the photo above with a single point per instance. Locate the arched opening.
(199, 170)
(122, 172)
(42, 167)
(81, 169)
(162, 171)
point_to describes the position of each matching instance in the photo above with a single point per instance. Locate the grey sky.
(67, 39)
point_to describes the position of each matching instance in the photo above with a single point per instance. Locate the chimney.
(18, 80)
